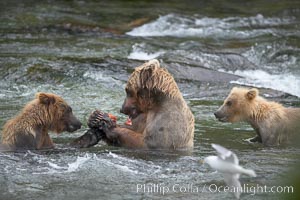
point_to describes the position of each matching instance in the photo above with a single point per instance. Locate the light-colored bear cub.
(273, 123)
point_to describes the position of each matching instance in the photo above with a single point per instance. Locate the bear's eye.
(129, 93)
(66, 108)
(69, 109)
(228, 103)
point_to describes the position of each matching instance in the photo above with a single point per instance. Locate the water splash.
(59, 167)
(231, 27)
(288, 83)
(139, 52)
(79, 161)
(140, 55)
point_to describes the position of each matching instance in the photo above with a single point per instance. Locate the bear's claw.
(100, 120)
(98, 123)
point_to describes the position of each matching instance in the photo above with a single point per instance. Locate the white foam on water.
(113, 155)
(55, 166)
(79, 161)
(140, 55)
(287, 83)
(230, 27)
(97, 75)
(138, 52)
(126, 169)
(132, 165)
(101, 77)
(118, 163)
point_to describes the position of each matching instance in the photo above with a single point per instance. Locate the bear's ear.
(252, 93)
(150, 68)
(154, 63)
(45, 98)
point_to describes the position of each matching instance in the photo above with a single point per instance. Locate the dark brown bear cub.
(29, 129)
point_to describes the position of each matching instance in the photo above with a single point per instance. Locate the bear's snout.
(221, 116)
(78, 125)
(73, 127)
(74, 124)
(125, 108)
(131, 111)
(217, 115)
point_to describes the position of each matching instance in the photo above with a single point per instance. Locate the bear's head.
(56, 113)
(237, 106)
(147, 87)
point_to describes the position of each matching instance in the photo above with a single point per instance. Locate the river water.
(85, 51)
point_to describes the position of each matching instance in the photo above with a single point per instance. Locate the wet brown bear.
(160, 117)
(273, 123)
(29, 129)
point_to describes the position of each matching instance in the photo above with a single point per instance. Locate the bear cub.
(273, 123)
(29, 129)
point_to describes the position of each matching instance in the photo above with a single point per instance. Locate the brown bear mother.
(160, 117)
(273, 123)
(29, 129)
